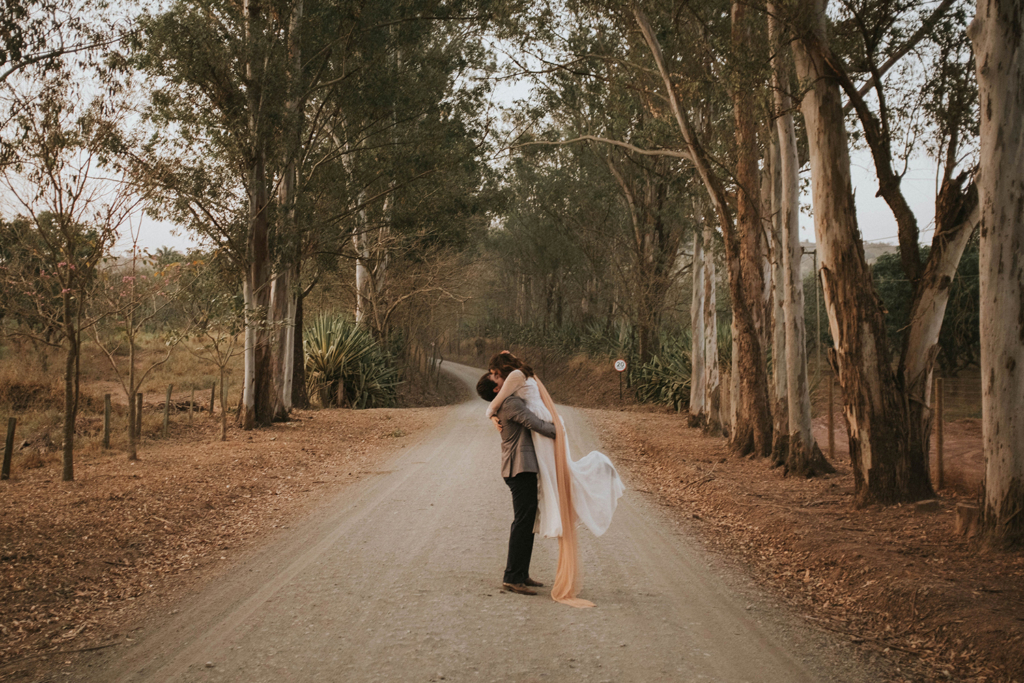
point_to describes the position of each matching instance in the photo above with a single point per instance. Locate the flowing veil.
(567, 574)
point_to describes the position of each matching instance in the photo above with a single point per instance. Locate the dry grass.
(85, 558)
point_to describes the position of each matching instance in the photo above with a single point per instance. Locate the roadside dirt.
(895, 581)
(81, 561)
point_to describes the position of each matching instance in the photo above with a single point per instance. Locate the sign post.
(620, 366)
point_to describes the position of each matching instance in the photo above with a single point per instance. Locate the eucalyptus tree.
(598, 103)
(411, 142)
(264, 90)
(886, 412)
(540, 249)
(725, 38)
(995, 33)
(798, 451)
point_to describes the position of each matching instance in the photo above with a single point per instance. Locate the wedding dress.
(596, 486)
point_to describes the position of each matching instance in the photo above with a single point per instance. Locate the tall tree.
(801, 453)
(996, 35)
(752, 431)
(876, 416)
(949, 103)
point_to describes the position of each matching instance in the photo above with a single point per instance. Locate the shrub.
(342, 357)
(666, 377)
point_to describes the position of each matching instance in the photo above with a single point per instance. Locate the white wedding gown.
(596, 486)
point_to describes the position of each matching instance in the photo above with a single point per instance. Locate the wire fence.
(956, 460)
(158, 419)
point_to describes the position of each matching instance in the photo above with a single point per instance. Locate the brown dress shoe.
(531, 582)
(518, 588)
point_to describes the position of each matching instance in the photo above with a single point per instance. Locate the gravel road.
(398, 578)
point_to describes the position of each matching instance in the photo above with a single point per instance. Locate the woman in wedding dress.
(585, 490)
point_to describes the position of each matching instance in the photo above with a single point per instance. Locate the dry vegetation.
(896, 580)
(82, 560)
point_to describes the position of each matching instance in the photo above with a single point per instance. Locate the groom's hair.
(485, 388)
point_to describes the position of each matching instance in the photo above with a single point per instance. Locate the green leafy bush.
(666, 377)
(344, 359)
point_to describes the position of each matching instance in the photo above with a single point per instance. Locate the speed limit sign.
(620, 365)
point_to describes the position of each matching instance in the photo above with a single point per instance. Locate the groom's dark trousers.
(520, 538)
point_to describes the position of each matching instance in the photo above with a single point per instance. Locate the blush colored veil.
(567, 574)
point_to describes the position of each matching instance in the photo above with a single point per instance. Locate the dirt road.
(397, 578)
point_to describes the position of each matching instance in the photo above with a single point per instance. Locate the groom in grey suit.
(519, 469)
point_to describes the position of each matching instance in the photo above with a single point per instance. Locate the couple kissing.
(550, 491)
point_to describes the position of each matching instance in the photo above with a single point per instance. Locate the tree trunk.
(752, 434)
(223, 403)
(955, 218)
(68, 447)
(300, 396)
(282, 336)
(780, 393)
(734, 380)
(133, 436)
(803, 457)
(996, 34)
(876, 416)
(697, 380)
(257, 410)
(712, 378)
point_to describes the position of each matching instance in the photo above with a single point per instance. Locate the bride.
(586, 490)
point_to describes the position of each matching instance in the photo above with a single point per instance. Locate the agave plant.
(345, 366)
(666, 377)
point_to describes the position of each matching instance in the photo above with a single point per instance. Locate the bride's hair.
(505, 363)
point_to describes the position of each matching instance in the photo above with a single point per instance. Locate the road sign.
(620, 365)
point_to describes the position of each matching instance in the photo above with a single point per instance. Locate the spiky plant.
(345, 366)
(666, 377)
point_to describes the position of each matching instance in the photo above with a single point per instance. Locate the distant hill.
(872, 250)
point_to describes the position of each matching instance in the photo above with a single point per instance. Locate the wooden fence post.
(5, 473)
(831, 420)
(940, 473)
(138, 417)
(191, 404)
(213, 396)
(167, 408)
(106, 420)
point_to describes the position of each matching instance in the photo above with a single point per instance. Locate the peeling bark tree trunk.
(955, 217)
(875, 413)
(772, 197)
(256, 409)
(256, 406)
(802, 457)
(282, 294)
(996, 34)
(282, 311)
(752, 435)
(734, 380)
(697, 380)
(712, 377)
